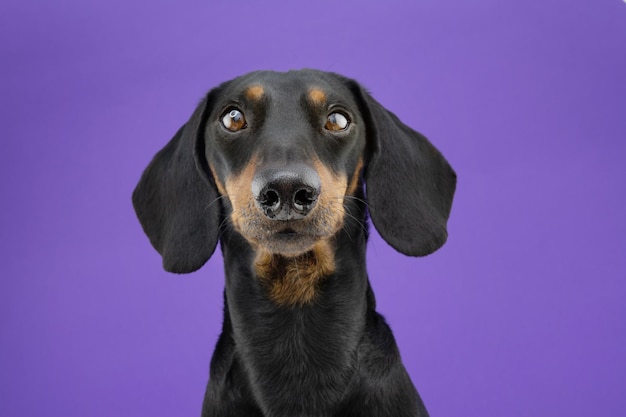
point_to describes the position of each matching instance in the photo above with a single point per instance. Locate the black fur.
(334, 356)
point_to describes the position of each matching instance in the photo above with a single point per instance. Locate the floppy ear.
(175, 199)
(409, 184)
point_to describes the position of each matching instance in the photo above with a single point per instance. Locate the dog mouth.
(287, 233)
(289, 238)
(289, 241)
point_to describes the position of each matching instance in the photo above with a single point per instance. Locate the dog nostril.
(270, 198)
(303, 199)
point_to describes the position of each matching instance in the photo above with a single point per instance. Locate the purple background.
(522, 313)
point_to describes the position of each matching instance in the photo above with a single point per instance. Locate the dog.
(284, 170)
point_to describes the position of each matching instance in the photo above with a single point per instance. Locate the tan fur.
(334, 188)
(294, 281)
(239, 193)
(218, 183)
(255, 92)
(317, 96)
(354, 182)
(289, 279)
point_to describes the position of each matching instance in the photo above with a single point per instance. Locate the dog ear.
(409, 184)
(176, 199)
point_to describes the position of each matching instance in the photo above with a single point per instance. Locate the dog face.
(285, 149)
(283, 154)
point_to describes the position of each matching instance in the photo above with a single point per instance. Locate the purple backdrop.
(523, 312)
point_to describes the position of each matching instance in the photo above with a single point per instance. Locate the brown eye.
(336, 122)
(234, 120)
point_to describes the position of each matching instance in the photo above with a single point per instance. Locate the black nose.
(286, 194)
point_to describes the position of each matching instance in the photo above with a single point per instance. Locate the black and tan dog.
(274, 166)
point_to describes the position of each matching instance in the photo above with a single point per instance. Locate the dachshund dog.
(283, 169)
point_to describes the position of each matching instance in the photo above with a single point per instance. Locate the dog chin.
(289, 244)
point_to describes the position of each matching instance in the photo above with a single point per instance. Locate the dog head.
(281, 155)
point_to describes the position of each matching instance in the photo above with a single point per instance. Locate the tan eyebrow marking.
(254, 92)
(317, 96)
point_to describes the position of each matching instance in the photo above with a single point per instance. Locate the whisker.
(224, 223)
(351, 199)
(215, 200)
(350, 217)
(358, 222)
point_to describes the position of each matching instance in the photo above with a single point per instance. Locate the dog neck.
(280, 310)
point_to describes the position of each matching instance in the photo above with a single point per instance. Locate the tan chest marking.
(294, 281)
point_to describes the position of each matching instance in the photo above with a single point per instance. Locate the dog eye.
(336, 122)
(234, 120)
